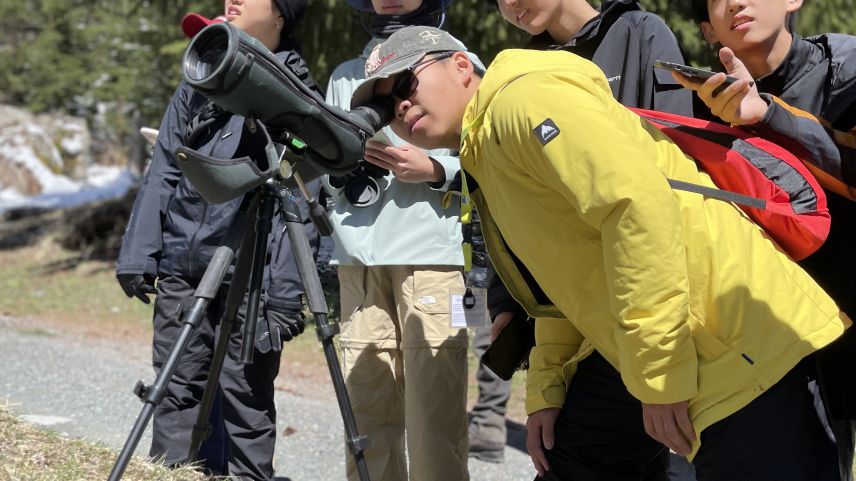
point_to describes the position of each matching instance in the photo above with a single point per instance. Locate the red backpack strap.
(769, 182)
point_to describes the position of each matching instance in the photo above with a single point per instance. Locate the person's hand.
(290, 324)
(277, 327)
(670, 425)
(137, 285)
(499, 322)
(407, 163)
(739, 103)
(539, 436)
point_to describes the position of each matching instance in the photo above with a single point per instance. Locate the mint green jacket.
(408, 225)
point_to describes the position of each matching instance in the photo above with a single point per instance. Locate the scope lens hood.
(210, 56)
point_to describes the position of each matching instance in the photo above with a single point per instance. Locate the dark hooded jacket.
(812, 97)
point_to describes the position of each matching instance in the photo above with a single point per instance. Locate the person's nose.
(507, 7)
(736, 5)
(401, 108)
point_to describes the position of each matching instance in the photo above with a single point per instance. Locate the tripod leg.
(209, 285)
(249, 266)
(263, 224)
(153, 394)
(325, 331)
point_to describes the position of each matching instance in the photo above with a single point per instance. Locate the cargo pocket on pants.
(431, 302)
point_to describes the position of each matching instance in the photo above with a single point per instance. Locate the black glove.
(137, 285)
(276, 327)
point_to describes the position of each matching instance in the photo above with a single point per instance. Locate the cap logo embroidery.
(428, 36)
(375, 61)
(546, 131)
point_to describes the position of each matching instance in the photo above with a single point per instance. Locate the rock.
(38, 152)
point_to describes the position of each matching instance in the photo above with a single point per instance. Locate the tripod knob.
(140, 389)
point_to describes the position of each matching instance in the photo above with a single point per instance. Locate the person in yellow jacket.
(700, 320)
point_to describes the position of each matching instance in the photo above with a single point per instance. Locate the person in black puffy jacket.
(171, 236)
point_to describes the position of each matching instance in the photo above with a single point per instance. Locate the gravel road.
(81, 387)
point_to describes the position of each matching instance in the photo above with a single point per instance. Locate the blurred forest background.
(118, 60)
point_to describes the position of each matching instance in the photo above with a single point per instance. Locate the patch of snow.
(10, 195)
(73, 144)
(105, 182)
(22, 154)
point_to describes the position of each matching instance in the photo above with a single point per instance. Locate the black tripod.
(251, 252)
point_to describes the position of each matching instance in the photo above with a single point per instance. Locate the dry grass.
(46, 281)
(32, 454)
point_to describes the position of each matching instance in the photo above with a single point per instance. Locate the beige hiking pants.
(395, 333)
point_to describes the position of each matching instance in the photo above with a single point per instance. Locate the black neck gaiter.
(429, 14)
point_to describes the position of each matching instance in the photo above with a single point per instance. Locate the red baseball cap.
(192, 23)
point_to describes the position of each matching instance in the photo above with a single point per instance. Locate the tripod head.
(241, 75)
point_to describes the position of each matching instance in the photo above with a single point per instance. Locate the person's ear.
(463, 66)
(709, 33)
(794, 5)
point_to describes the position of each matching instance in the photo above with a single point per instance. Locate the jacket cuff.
(551, 397)
(769, 118)
(451, 166)
(545, 383)
(149, 267)
(287, 306)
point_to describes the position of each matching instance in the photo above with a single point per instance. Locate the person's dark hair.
(698, 10)
(292, 12)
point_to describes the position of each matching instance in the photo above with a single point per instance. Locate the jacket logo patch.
(428, 300)
(546, 131)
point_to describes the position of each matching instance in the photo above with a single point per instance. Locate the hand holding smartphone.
(697, 74)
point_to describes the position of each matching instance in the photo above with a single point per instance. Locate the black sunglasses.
(406, 82)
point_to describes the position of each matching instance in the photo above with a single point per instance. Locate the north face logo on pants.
(546, 131)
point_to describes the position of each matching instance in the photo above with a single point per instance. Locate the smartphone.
(380, 136)
(510, 351)
(696, 73)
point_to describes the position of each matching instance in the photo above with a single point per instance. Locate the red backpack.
(769, 183)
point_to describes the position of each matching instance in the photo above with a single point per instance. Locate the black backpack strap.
(295, 62)
(720, 194)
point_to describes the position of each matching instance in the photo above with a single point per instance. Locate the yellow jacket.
(684, 296)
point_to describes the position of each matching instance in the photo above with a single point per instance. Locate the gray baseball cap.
(397, 53)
